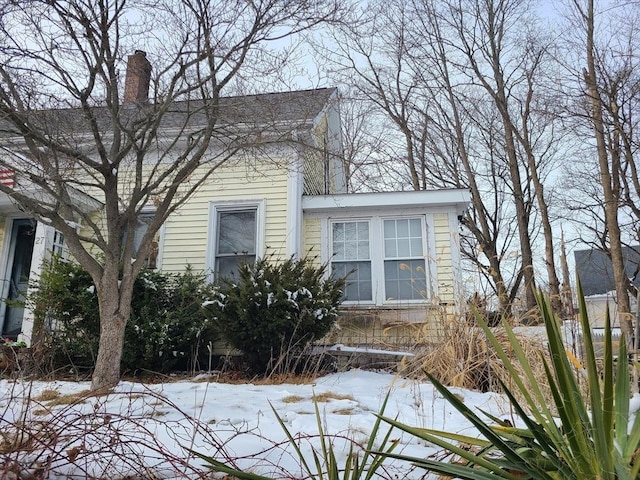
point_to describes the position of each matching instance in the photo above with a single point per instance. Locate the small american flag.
(7, 177)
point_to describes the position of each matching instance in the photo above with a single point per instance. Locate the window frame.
(146, 214)
(368, 221)
(424, 257)
(215, 208)
(378, 257)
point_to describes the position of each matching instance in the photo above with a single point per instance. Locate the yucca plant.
(574, 438)
(323, 464)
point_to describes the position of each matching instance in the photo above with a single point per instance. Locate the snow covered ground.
(146, 431)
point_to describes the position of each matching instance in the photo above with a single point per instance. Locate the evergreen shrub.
(273, 310)
(166, 329)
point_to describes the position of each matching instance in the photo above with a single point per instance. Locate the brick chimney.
(136, 83)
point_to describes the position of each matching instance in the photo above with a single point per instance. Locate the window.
(58, 244)
(235, 240)
(386, 258)
(352, 257)
(142, 225)
(405, 276)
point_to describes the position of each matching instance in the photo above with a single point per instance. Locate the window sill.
(389, 306)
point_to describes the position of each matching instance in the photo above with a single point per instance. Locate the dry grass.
(328, 396)
(292, 399)
(344, 411)
(320, 398)
(47, 395)
(70, 399)
(464, 358)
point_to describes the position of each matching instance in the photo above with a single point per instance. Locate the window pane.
(358, 285)
(415, 226)
(416, 247)
(390, 250)
(350, 241)
(228, 266)
(389, 229)
(363, 250)
(402, 227)
(142, 225)
(404, 249)
(338, 232)
(405, 280)
(350, 231)
(237, 232)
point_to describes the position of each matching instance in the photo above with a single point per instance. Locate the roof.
(294, 108)
(595, 270)
(459, 198)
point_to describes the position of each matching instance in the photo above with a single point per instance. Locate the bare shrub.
(42, 437)
(129, 435)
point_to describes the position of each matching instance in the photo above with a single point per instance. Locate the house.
(595, 271)
(284, 196)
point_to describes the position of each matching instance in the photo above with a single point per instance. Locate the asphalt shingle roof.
(294, 109)
(595, 270)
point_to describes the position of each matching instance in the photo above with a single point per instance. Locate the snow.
(149, 429)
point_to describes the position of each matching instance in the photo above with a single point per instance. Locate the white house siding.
(186, 232)
(3, 219)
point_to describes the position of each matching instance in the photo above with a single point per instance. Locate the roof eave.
(458, 198)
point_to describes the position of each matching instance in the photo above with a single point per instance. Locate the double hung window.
(142, 225)
(352, 258)
(235, 240)
(404, 262)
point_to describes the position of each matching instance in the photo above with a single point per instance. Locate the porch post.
(41, 251)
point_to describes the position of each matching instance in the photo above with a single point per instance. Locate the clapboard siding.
(186, 233)
(312, 238)
(443, 257)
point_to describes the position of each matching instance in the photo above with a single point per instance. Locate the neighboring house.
(595, 271)
(286, 199)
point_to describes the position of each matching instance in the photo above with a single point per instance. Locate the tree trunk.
(114, 302)
(522, 217)
(608, 182)
(567, 296)
(554, 282)
(106, 373)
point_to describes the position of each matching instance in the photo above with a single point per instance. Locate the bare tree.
(70, 130)
(609, 88)
(462, 82)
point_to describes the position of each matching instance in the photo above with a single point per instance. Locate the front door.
(19, 266)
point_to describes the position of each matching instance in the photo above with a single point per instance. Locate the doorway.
(18, 269)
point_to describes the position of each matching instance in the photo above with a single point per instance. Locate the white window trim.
(376, 238)
(230, 206)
